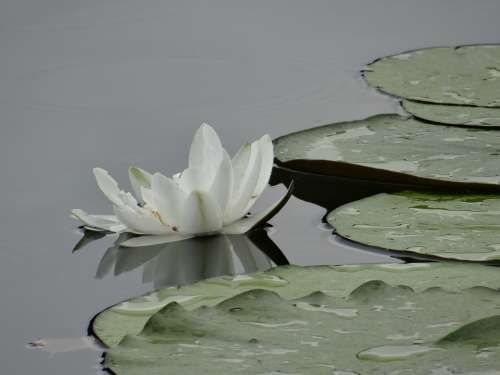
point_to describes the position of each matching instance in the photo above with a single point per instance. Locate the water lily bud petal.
(139, 178)
(201, 214)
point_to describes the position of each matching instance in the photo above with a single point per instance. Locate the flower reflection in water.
(191, 260)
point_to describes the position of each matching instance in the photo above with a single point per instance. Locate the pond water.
(113, 83)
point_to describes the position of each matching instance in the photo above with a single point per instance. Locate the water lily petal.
(222, 186)
(148, 197)
(169, 199)
(128, 199)
(108, 186)
(98, 222)
(139, 178)
(154, 240)
(201, 214)
(193, 179)
(246, 224)
(140, 220)
(240, 162)
(239, 201)
(206, 150)
(267, 161)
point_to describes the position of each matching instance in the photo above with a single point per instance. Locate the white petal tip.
(98, 223)
(76, 213)
(206, 126)
(266, 137)
(98, 170)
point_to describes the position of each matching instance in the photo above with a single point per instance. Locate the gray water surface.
(112, 83)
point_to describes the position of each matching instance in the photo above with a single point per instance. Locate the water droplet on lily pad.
(394, 352)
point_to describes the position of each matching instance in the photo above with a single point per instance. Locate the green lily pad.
(463, 227)
(374, 326)
(454, 114)
(395, 149)
(468, 75)
(483, 333)
(290, 282)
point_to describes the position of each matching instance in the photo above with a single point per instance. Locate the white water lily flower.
(213, 195)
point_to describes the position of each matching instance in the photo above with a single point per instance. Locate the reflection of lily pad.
(454, 114)
(391, 148)
(289, 282)
(374, 326)
(468, 75)
(464, 227)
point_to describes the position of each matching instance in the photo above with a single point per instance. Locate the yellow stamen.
(157, 215)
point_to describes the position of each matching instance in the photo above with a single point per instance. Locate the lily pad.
(259, 331)
(395, 149)
(468, 75)
(290, 282)
(462, 227)
(454, 114)
(483, 333)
